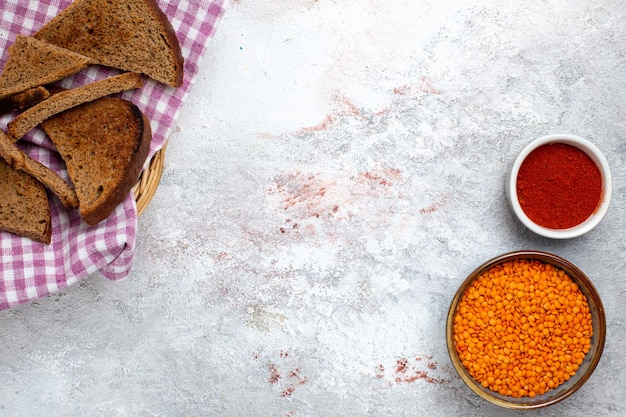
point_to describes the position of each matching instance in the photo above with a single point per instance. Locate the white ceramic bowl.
(607, 183)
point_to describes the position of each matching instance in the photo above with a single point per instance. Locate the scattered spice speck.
(275, 374)
(408, 371)
(284, 373)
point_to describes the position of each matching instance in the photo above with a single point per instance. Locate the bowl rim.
(599, 329)
(607, 186)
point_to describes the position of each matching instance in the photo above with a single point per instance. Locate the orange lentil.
(535, 331)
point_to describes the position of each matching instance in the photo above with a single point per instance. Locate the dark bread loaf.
(33, 62)
(104, 144)
(24, 206)
(64, 100)
(132, 35)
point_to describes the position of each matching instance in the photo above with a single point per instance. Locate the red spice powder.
(559, 186)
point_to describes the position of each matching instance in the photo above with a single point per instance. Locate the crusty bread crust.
(24, 100)
(64, 100)
(24, 207)
(132, 35)
(105, 144)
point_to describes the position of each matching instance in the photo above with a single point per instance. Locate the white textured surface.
(336, 173)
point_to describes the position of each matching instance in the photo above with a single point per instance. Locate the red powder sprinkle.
(288, 391)
(274, 374)
(401, 365)
(558, 186)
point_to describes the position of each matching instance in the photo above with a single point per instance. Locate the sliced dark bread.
(18, 160)
(34, 62)
(64, 100)
(132, 35)
(104, 144)
(24, 100)
(24, 206)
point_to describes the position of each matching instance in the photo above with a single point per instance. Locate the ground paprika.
(558, 186)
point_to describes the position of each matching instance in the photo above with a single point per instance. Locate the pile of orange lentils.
(522, 328)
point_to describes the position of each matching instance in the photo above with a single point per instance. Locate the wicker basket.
(149, 180)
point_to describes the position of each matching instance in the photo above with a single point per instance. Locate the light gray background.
(337, 171)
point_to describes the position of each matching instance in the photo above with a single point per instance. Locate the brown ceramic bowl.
(585, 369)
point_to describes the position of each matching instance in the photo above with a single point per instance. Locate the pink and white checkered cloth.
(30, 270)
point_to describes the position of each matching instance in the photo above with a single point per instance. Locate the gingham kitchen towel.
(30, 270)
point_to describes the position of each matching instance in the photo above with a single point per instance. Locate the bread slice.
(24, 206)
(64, 100)
(24, 100)
(132, 35)
(104, 144)
(34, 62)
(18, 160)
